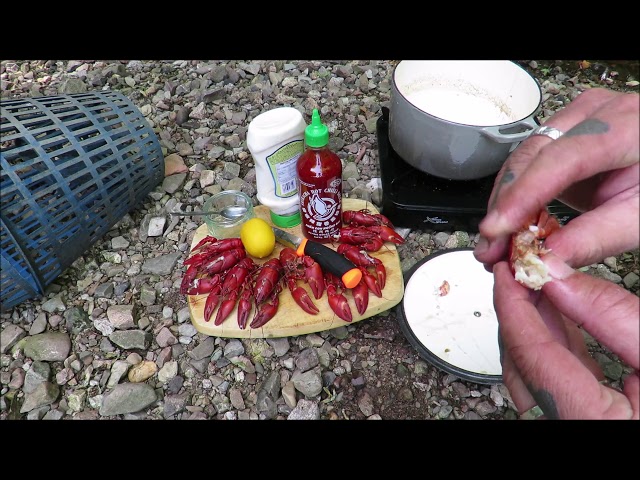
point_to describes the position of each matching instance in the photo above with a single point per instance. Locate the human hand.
(545, 361)
(593, 168)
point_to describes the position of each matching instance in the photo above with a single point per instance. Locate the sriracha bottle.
(320, 184)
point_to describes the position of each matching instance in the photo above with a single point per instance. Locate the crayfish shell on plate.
(527, 245)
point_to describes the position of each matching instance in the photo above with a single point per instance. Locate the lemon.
(257, 237)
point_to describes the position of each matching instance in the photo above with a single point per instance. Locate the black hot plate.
(414, 199)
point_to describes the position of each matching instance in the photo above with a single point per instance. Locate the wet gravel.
(112, 337)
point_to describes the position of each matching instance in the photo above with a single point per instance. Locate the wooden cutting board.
(291, 320)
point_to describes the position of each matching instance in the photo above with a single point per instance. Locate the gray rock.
(289, 394)
(440, 239)
(156, 226)
(613, 370)
(165, 338)
(182, 115)
(187, 330)
(266, 405)
(119, 243)
(445, 411)
(121, 316)
(44, 394)
(630, 279)
(168, 371)
(39, 325)
(147, 295)
(76, 400)
(271, 385)
(305, 410)
(17, 379)
(64, 375)
(104, 326)
(485, 408)
(127, 398)
(328, 378)
(340, 333)
(175, 384)
(350, 171)
(280, 345)
(230, 170)
(207, 177)
(457, 239)
(212, 95)
(77, 320)
(365, 404)
(130, 339)
(174, 404)
(53, 415)
(420, 368)
(53, 305)
(308, 383)
(38, 413)
(104, 290)
(461, 389)
(48, 347)
(218, 73)
(221, 402)
(72, 85)
(118, 370)
(199, 112)
(370, 124)
(235, 396)
(184, 314)
(10, 336)
(203, 350)
(162, 265)
(603, 272)
(233, 348)
(39, 372)
(307, 359)
(112, 257)
(405, 395)
(172, 183)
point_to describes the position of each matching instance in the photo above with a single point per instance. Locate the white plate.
(456, 331)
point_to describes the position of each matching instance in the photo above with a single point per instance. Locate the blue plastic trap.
(71, 167)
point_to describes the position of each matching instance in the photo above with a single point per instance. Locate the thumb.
(607, 311)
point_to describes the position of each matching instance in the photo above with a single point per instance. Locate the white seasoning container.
(276, 139)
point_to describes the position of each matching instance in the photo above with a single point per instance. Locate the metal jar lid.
(447, 314)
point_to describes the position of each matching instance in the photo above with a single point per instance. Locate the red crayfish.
(367, 230)
(527, 245)
(302, 268)
(209, 258)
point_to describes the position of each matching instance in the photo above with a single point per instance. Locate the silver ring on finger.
(551, 132)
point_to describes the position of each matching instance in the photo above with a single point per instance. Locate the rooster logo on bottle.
(322, 210)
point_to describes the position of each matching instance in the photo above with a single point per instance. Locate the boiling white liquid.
(460, 107)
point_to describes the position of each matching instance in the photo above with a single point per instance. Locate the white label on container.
(282, 164)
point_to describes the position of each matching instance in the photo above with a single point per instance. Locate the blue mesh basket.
(71, 167)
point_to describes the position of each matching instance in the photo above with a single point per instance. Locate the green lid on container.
(316, 134)
(286, 221)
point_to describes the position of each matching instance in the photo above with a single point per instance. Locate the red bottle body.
(320, 189)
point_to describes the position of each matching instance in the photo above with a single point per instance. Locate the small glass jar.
(220, 226)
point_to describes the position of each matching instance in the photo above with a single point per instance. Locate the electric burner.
(415, 199)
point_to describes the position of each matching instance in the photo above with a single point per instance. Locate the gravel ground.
(112, 338)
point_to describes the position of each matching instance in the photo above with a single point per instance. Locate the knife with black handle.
(327, 258)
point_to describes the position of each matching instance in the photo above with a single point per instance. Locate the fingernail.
(495, 223)
(558, 269)
(482, 246)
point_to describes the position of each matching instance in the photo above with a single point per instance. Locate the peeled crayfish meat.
(527, 245)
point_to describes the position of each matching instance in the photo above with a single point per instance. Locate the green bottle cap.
(317, 134)
(286, 221)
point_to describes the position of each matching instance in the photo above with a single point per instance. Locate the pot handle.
(494, 133)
